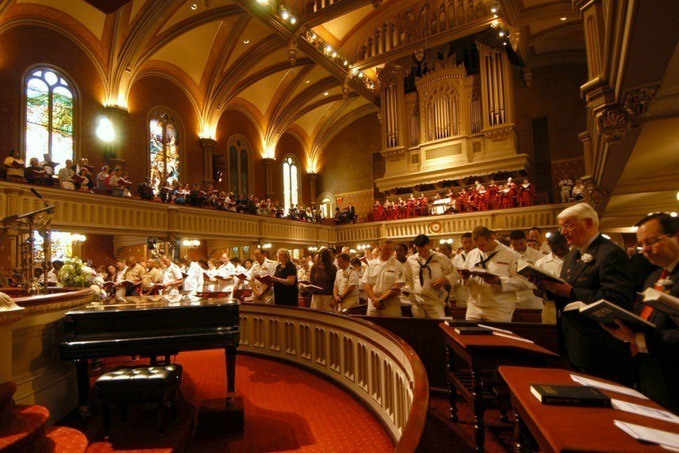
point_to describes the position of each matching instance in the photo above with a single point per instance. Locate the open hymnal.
(532, 272)
(606, 313)
(661, 301)
(265, 279)
(311, 287)
(476, 272)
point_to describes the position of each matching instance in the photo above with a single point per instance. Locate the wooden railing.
(94, 213)
(373, 364)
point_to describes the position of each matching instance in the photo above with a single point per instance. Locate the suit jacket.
(607, 276)
(658, 370)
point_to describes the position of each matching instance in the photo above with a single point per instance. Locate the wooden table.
(479, 383)
(572, 428)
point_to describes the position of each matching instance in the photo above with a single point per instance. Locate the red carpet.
(285, 408)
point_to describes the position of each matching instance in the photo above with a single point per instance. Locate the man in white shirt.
(552, 264)
(426, 275)
(460, 289)
(172, 277)
(347, 280)
(53, 274)
(536, 233)
(194, 280)
(525, 298)
(492, 297)
(382, 281)
(263, 266)
(224, 274)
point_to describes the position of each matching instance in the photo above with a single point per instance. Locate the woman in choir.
(323, 275)
(83, 181)
(527, 195)
(101, 178)
(14, 165)
(285, 290)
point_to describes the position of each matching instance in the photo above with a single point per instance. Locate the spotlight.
(194, 6)
(105, 130)
(285, 15)
(293, 20)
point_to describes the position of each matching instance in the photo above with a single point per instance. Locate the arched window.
(238, 156)
(49, 115)
(290, 182)
(164, 148)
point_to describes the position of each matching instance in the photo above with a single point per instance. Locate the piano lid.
(143, 303)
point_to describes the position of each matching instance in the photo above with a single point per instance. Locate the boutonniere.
(586, 258)
(665, 282)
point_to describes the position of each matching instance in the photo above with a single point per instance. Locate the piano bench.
(140, 384)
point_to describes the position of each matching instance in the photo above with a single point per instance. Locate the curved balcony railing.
(374, 365)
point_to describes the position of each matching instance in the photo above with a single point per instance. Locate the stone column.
(208, 145)
(118, 117)
(313, 177)
(268, 165)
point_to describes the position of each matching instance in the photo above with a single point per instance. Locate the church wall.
(98, 248)
(346, 168)
(554, 92)
(25, 46)
(234, 122)
(146, 94)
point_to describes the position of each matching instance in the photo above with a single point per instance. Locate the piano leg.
(230, 371)
(83, 373)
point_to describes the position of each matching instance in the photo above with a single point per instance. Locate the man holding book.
(657, 352)
(490, 274)
(594, 269)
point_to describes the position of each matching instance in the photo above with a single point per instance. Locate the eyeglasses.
(567, 226)
(650, 242)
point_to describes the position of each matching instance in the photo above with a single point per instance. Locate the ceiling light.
(360, 75)
(495, 16)
(346, 63)
(263, 2)
(285, 15)
(105, 130)
(328, 48)
(493, 9)
(293, 20)
(334, 54)
(194, 6)
(562, 19)
(246, 41)
(673, 214)
(308, 81)
(501, 34)
(325, 94)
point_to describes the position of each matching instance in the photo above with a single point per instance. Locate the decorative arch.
(326, 203)
(239, 174)
(50, 114)
(292, 181)
(166, 146)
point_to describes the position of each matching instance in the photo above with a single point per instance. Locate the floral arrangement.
(75, 274)
(586, 258)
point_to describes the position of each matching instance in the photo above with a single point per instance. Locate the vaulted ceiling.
(306, 67)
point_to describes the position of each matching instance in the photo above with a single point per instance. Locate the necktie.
(423, 267)
(483, 263)
(572, 264)
(648, 310)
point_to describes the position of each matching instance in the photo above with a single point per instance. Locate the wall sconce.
(312, 248)
(446, 241)
(191, 243)
(78, 238)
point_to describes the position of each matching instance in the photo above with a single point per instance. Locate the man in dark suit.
(594, 269)
(657, 352)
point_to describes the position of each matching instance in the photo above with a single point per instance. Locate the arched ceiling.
(243, 53)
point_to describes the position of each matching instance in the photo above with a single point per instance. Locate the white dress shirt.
(422, 293)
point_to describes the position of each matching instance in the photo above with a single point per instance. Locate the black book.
(606, 313)
(531, 271)
(473, 330)
(661, 301)
(570, 395)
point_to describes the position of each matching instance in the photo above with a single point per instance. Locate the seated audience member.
(492, 297)
(656, 352)
(14, 165)
(552, 264)
(427, 273)
(346, 287)
(34, 173)
(382, 282)
(594, 269)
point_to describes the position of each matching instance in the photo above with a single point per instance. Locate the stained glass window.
(164, 147)
(239, 165)
(290, 183)
(49, 116)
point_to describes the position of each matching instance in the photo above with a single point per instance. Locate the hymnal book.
(476, 272)
(77, 178)
(242, 294)
(311, 287)
(224, 279)
(532, 272)
(606, 313)
(661, 301)
(17, 163)
(473, 330)
(570, 395)
(155, 289)
(241, 276)
(265, 279)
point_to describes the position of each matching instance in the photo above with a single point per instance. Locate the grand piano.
(151, 326)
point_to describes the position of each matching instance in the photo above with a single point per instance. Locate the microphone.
(35, 192)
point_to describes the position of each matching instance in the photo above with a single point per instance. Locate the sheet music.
(655, 436)
(604, 386)
(646, 411)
